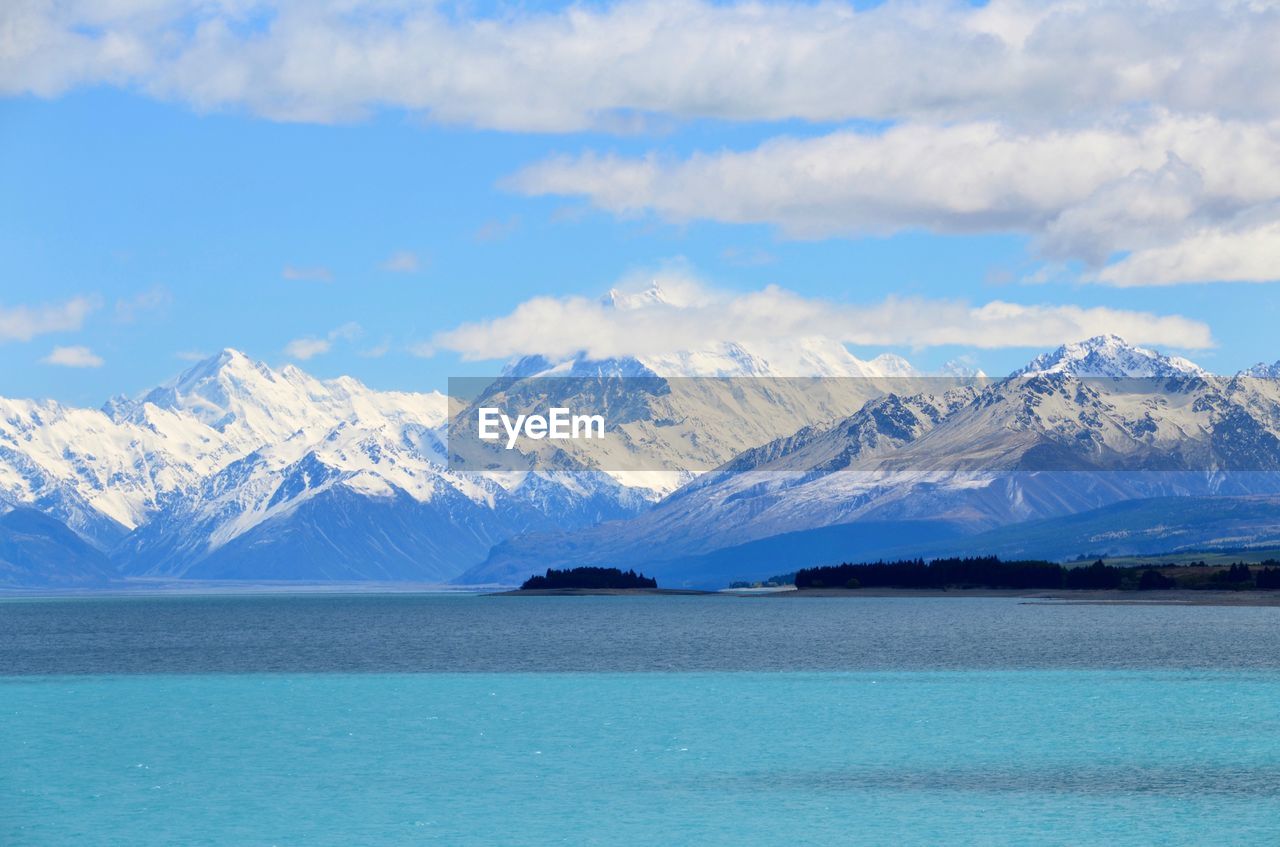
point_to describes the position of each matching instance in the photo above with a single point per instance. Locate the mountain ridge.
(233, 466)
(1083, 427)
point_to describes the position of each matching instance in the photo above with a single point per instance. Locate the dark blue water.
(634, 721)
(470, 634)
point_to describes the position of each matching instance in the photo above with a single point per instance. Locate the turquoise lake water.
(478, 721)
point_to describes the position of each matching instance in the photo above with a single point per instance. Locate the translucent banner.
(1048, 421)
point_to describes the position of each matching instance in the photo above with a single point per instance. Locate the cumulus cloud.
(1086, 193)
(652, 322)
(598, 66)
(73, 357)
(1247, 255)
(307, 348)
(303, 349)
(1101, 129)
(23, 323)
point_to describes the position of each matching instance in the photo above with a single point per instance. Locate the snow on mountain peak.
(802, 357)
(237, 396)
(125, 460)
(252, 404)
(232, 447)
(227, 362)
(1262, 370)
(962, 368)
(671, 292)
(890, 365)
(621, 300)
(1109, 356)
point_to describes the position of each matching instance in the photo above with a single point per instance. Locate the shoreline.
(1045, 597)
(602, 592)
(236, 588)
(1059, 597)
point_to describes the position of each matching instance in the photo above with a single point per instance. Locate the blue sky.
(183, 225)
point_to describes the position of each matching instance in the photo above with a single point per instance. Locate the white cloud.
(23, 323)
(307, 348)
(649, 323)
(1099, 128)
(1248, 255)
(317, 273)
(303, 349)
(1085, 193)
(402, 262)
(600, 66)
(73, 357)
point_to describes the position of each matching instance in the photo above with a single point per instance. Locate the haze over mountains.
(234, 470)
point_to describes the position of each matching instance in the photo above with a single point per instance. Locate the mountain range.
(235, 470)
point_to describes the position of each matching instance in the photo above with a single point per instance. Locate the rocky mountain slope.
(1083, 427)
(36, 549)
(237, 470)
(234, 469)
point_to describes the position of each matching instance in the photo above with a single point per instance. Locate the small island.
(593, 580)
(588, 578)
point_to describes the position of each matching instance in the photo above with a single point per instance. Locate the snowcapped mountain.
(691, 410)
(107, 472)
(657, 425)
(805, 357)
(1091, 424)
(221, 471)
(813, 356)
(36, 549)
(1262, 371)
(961, 369)
(218, 471)
(250, 405)
(101, 477)
(237, 470)
(1109, 356)
(331, 480)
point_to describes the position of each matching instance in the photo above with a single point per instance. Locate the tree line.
(993, 572)
(589, 578)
